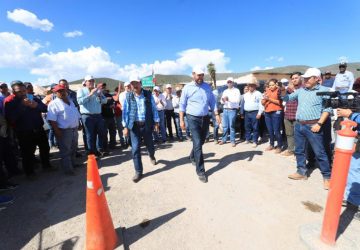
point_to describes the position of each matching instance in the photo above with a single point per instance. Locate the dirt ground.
(248, 203)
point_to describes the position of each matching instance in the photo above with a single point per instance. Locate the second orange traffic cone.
(100, 231)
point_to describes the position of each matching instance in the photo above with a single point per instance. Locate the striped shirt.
(309, 104)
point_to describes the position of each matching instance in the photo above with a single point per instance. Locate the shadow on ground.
(135, 233)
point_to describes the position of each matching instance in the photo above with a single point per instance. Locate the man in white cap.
(230, 98)
(310, 117)
(169, 111)
(195, 101)
(344, 80)
(176, 105)
(121, 99)
(90, 100)
(160, 103)
(140, 118)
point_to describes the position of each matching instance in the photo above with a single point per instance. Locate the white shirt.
(160, 102)
(175, 103)
(233, 96)
(122, 98)
(343, 82)
(252, 101)
(66, 116)
(168, 104)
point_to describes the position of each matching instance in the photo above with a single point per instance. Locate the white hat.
(134, 78)
(284, 80)
(177, 89)
(198, 70)
(88, 78)
(156, 88)
(126, 84)
(230, 79)
(168, 86)
(312, 72)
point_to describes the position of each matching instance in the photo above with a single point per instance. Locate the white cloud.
(275, 58)
(73, 34)
(343, 59)
(16, 52)
(72, 65)
(255, 68)
(29, 19)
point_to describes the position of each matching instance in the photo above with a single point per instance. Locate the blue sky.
(120, 38)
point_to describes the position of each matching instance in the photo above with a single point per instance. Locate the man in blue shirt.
(310, 117)
(328, 80)
(90, 100)
(352, 191)
(195, 101)
(140, 118)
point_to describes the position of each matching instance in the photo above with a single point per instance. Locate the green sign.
(148, 81)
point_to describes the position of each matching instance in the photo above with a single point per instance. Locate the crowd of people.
(288, 113)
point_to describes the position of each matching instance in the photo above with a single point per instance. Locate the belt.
(199, 117)
(251, 111)
(89, 114)
(303, 122)
(140, 123)
(230, 109)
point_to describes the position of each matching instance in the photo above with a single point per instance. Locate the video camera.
(348, 100)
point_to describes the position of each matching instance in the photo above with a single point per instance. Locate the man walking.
(90, 100)
(160, 103)
(140, 118)
(231, 100)
(169, 112)
(195, 101)
(64, 118)
(310, 117)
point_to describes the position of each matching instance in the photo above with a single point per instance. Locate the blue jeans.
(52, 139)
(119, 127)
(94, 127)
(136, 133)
(228, 122)
(67, 147)
(216, 127)
(273, 122)
(188, 134)
(162, 127)
(251, 125)
(304, 135)
(177, 122)
(199, 127)
(352, 191)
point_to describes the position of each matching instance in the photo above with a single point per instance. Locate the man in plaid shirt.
(290, 113)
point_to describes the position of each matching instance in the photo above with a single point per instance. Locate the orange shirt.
(275, 103)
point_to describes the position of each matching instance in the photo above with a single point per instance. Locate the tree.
(212, 72)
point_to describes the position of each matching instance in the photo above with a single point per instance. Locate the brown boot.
(297, 176)
(287, 153)
(326, 184)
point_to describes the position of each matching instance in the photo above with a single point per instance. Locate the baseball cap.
(168, 86)
(156, 88)
(126, 84)
(327, 72)
(284, 80)
(343, 64)
(177, 89)
(230, 79)
(198, 70)
(52, 85)
(3, 85)
(58, 87)
(88, 78)
(312, 72)
(134, 78)
(27, 84)
(16, 82)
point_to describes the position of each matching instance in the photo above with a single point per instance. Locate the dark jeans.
(274, 123)
(136, 133)
(199, 127)
(304, 135)
(251, 125)
(216, 127)
(110, 128)
(28, 140)
(7, 158)
(178, 128)
(94, 127)
(170, 114)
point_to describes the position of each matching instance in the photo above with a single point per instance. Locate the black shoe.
(193, 162)
(137, 177)
(153, 160)
(78, 155)
(203, 178)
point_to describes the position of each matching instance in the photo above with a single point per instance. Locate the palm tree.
(212, 72)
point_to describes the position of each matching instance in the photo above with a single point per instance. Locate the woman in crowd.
(273, 115)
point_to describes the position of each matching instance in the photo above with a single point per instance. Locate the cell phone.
(30, 97)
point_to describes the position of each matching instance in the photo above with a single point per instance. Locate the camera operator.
(352, 191)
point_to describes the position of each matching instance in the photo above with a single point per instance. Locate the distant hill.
(174, 79)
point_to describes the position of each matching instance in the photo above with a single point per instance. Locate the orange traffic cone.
(100, 231)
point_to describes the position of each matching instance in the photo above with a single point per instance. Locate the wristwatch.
(319, 123)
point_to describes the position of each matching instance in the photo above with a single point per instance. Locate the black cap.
(3, 85)
(16, 82)
(27, 84)
(343, 64)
